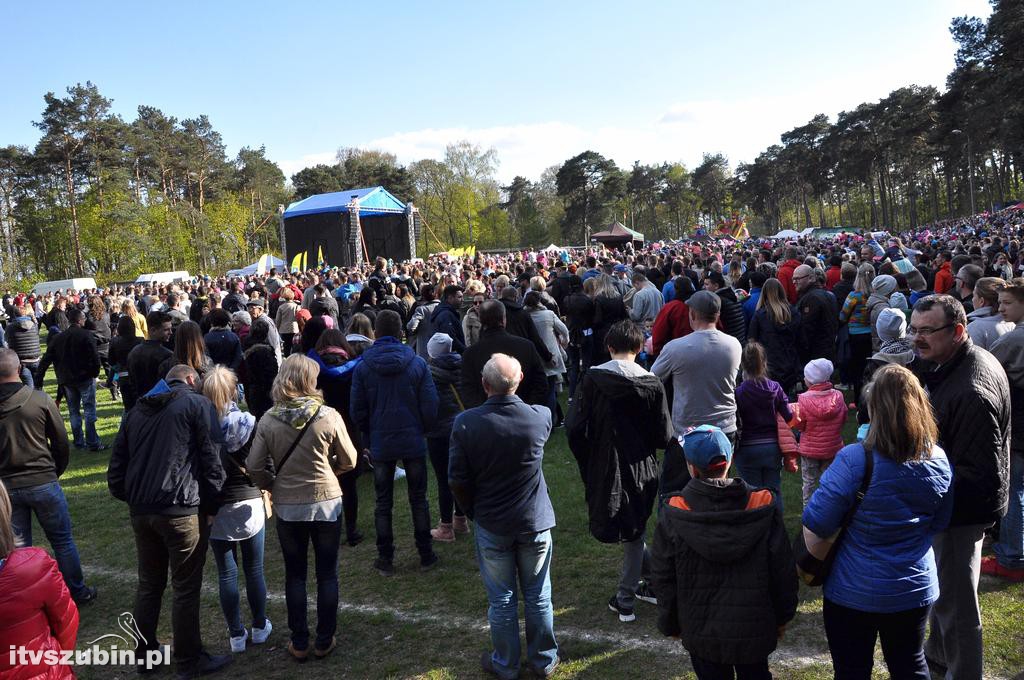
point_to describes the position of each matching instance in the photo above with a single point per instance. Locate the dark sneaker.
(645, 594)
(208, 663)
(355, 538)
(99, 447)
(487, 664)
(429, 562)
(87, 597)
(626, 614)
(384, 567)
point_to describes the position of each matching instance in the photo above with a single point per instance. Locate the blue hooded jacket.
(394, 400)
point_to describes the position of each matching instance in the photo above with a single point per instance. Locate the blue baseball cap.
(706, 447)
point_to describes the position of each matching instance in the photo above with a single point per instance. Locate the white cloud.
(740, 128)
(290, 167)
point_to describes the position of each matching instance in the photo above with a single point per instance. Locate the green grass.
(434, 625)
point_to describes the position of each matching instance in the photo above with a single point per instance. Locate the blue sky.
(538, 81)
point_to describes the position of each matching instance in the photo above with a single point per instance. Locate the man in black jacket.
(971, 399)
(561, 283)
(445, 318)
(145, 358)
(166, 466)
(615, 427)
(518, 322)
(722, 565)
(579, 318)
(76, 361)
(733, 321)
(494, 339)
(819, 317)
(33, 455)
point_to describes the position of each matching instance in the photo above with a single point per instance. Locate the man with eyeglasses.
(971, 398)
(819, 316)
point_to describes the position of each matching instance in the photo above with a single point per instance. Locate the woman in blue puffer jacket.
(884, 580)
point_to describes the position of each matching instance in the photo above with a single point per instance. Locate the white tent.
(787, 233)
(254, 267)
(550, 248)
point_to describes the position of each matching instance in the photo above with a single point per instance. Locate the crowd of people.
(268, 395)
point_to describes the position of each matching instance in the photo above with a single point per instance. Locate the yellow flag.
(264, 264)
(297, 262)
(320, 256)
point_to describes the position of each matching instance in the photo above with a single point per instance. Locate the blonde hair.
(902, 423)
(475, 287)
(537, 283)
(287, 293)
(296, 378)
(219, 386)
(8, 541)
(773, 301)
(128, 307)
(865, 275)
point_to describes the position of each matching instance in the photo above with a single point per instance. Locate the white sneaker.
(238, 643)
(260, 635)
(399, 473)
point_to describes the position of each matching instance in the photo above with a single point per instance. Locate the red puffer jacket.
(822, 414)
(36, 613)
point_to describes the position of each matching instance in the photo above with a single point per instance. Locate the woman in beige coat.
(300, 448)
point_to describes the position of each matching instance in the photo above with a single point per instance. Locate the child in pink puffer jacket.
(820, 415)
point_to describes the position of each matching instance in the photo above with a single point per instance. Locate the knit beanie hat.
(891, 325)
(817, 371)
(899, 301)
(884, 285)
(439, 344)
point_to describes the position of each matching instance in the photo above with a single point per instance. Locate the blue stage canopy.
(372, 201)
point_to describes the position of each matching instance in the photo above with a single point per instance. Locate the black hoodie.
(723, 570)
(166, 458)
(33, 441)
(615, 425)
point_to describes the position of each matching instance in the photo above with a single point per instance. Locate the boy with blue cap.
(722, 565)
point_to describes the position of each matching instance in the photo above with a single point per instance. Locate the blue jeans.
(50, 506)
(501, 559)
(1010, 548)
(760, 465)
(295, 538)
(255, 587)
(83, 396)
(384, 484)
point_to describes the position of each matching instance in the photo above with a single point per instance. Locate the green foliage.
(590, 185)
(113, 199)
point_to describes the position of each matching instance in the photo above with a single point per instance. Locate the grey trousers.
(811, 470)
(636, 564)
(955, 640)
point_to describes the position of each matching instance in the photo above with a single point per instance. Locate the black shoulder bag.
(815, 567)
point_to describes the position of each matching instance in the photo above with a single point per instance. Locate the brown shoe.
(321, 653)
(297, 654)
(443, 533)
(460, 524)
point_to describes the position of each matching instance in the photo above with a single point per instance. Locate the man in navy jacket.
(394, 402)
(496, 475)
